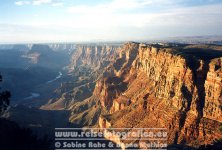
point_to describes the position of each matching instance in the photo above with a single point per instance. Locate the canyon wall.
(171, 87)
(93, 56)
(213, 90)
(88, 61)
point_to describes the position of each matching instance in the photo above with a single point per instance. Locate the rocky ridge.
(94, 56)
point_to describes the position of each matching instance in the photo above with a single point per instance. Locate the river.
(35, 95)
(58, 77)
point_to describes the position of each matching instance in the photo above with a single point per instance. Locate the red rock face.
(108, 89)
(113, 84)
(213, 90)
(184, 92)
(169, 75)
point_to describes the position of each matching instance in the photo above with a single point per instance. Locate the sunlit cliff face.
(184, 91)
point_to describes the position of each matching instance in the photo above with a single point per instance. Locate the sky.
(107, 20)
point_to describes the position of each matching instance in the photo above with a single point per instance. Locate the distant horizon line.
(160, 39)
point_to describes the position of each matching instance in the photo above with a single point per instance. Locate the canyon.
(177, 87)
(132, 85)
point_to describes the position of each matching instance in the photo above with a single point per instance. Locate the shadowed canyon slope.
(27, 67)
(88, 62)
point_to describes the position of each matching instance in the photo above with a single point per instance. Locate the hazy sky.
(87, 20)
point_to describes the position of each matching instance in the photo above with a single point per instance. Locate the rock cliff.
(174, 87)
(213, 90)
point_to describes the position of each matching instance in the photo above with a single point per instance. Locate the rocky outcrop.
(213, 90)
(113, 84)
(108, 89)
(172, 87)
(170, 75)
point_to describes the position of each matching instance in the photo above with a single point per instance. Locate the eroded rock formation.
(183, 88)
(213, 90)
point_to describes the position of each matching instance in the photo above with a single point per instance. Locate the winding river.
(35, 95)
